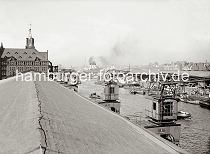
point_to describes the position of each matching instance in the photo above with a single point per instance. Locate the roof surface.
(75, 125)
(24, 54)
(71, 124)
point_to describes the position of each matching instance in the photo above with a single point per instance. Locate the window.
(112, 90)
(29, 57)
(154, 106)
(19, 57)
(8, 52)
(33, 53)
(43, 68)
(25, 53)
(167, 108)
(16, 53)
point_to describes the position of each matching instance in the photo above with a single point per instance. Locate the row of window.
(12, 68)
(3, 73)
(3, 68)
(21, 69)
(27, 63)
(11, 72)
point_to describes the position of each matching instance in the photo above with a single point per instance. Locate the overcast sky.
(124, 32)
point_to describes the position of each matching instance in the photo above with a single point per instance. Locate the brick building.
(22, 59)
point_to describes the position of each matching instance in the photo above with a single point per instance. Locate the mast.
(29, 32)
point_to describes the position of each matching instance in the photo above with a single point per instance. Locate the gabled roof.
(24, 54)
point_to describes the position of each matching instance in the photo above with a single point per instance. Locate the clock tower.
(30, 40)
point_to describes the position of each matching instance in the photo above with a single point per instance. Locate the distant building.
(186, 66)
(181, 64)
(198, 67)
(53, 69)
(208, 67)
(194, 67)
(22, 59)
(171, 67)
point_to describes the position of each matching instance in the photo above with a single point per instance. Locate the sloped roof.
(24, 54)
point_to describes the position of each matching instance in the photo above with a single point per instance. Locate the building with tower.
(23, 59)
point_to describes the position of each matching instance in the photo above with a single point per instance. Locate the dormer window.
(8, 52)
(16, 53)
(37, 59)
(12, 58)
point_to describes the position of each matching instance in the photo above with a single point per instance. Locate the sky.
(134, 32)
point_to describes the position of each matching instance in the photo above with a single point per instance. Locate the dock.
(45, 117)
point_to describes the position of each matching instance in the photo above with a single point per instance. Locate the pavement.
(45, 117)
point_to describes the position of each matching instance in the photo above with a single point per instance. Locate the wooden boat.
(183, 115)
(134, 92)
(189, 99)
(205, 103)
(95, 96)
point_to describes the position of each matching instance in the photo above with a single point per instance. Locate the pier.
(45, 117)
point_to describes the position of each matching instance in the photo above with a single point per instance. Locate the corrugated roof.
(24, 54)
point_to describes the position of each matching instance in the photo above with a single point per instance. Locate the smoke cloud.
(92, 61)
(121, 52)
